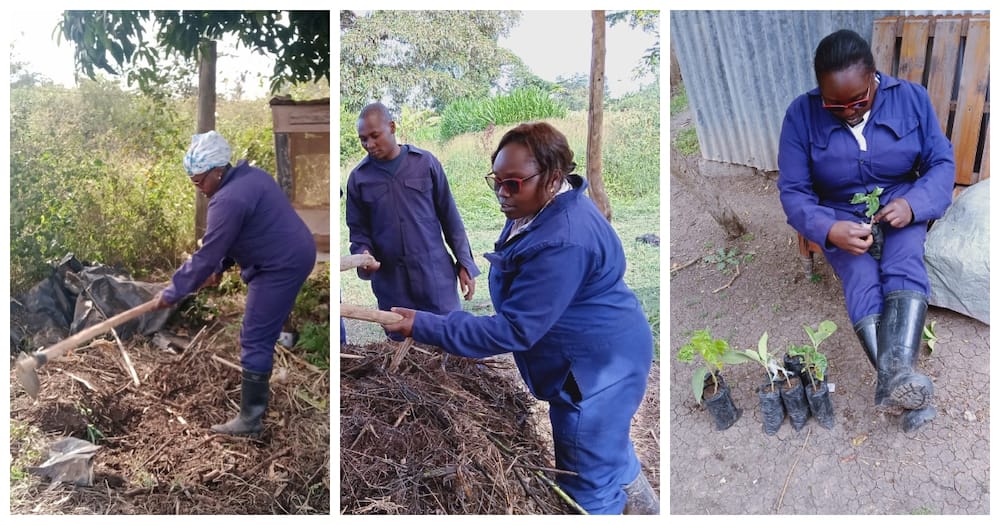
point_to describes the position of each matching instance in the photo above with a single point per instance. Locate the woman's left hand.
(404, 326)
(897, 213)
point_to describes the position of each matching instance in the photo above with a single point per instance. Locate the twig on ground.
(781, 497)
(230, 364)
(82, 381)
(735, 275)
(126, 358)
(397, 357)
(679, 267)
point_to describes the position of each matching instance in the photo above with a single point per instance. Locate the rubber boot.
(641, 497)
(253, 405)
(867, 331)
(898, 343)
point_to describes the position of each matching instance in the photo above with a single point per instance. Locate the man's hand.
(852, 237)
(370, 267)
(405, 326)
(467, 282)
(897, 213)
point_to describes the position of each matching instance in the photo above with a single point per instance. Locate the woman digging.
(578, 334)
(250, 223)
(858, 130)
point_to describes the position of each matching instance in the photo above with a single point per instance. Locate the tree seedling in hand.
(715, 353)
(871, 202)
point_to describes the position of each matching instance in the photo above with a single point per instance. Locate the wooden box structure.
(302, 151)
(950, 56)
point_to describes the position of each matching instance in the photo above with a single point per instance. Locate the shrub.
(524, 104)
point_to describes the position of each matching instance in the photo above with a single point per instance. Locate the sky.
(551, 43)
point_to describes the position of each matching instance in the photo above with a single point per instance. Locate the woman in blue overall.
(862, 129)
(250, 223)
(578, 334)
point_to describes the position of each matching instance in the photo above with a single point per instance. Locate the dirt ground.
(157, 454)
(865, 464)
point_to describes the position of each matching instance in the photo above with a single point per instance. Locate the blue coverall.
(251, 222)
(578, 334)
(399, 219)
(822, 166)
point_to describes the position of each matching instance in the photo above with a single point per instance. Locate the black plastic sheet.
(76, 296)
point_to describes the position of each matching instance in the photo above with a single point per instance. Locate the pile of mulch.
(458, 438)
(158, 455)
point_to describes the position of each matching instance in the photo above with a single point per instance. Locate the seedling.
(870, 201)
(814, 361)
(726, 259)
(872, 204)
(929, 336)
(715, 353)
(762, 357)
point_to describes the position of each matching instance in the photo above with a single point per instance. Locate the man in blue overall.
(250, 223)
(398, 205)
(858, 130)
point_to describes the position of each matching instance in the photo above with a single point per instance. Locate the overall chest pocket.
(374, 192)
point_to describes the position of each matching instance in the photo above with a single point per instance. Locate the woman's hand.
(213, 280)
(467, 282)
(161, 304)
(404, 326)
(852, 237)
(897, 213)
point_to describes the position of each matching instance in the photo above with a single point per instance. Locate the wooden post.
(206, 122)
(595, 116)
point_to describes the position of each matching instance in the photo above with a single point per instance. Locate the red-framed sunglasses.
(512, 185)
(857, 104)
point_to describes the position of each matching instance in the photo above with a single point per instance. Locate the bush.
(521, 105)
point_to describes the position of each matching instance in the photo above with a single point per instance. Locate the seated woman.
(578, 334)
(862, 129)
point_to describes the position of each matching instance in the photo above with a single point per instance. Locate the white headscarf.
(208, 150)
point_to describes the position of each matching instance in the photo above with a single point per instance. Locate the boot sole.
(913, 393)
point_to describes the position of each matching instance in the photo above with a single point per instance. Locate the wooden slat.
(944, 57)
(884, 43)
(971, 99)
(913, 52)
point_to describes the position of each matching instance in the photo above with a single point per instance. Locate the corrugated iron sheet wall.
(742, 69)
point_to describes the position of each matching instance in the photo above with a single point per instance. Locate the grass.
(687, 141)
(679, 102)
(631, 173)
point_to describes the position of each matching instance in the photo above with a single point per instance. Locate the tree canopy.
(649, 22)
(111, 40)
(423, 59)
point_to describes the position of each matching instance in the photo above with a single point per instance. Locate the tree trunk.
(683, 170)
(206, 122)
(595, 117)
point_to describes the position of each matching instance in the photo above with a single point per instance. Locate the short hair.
(546, 144)
(376, 108)
(841, 50)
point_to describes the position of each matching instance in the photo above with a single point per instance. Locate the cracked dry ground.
(865, 464)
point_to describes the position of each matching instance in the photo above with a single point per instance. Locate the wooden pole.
(206, 122)
(595, 116)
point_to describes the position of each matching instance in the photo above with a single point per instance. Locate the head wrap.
(208, 150)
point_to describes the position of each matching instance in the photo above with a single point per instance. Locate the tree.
(595, 116)
(422, 59)
(649, 22)
(110, 40)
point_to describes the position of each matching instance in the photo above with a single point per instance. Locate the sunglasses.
(857, 104)
(512, 185)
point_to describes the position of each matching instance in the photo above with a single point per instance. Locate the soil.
(157, 454)
(454, 438)
(865, 464)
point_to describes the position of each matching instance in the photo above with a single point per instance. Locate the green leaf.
(698, 383)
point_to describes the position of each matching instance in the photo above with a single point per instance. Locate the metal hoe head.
(26, 371)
